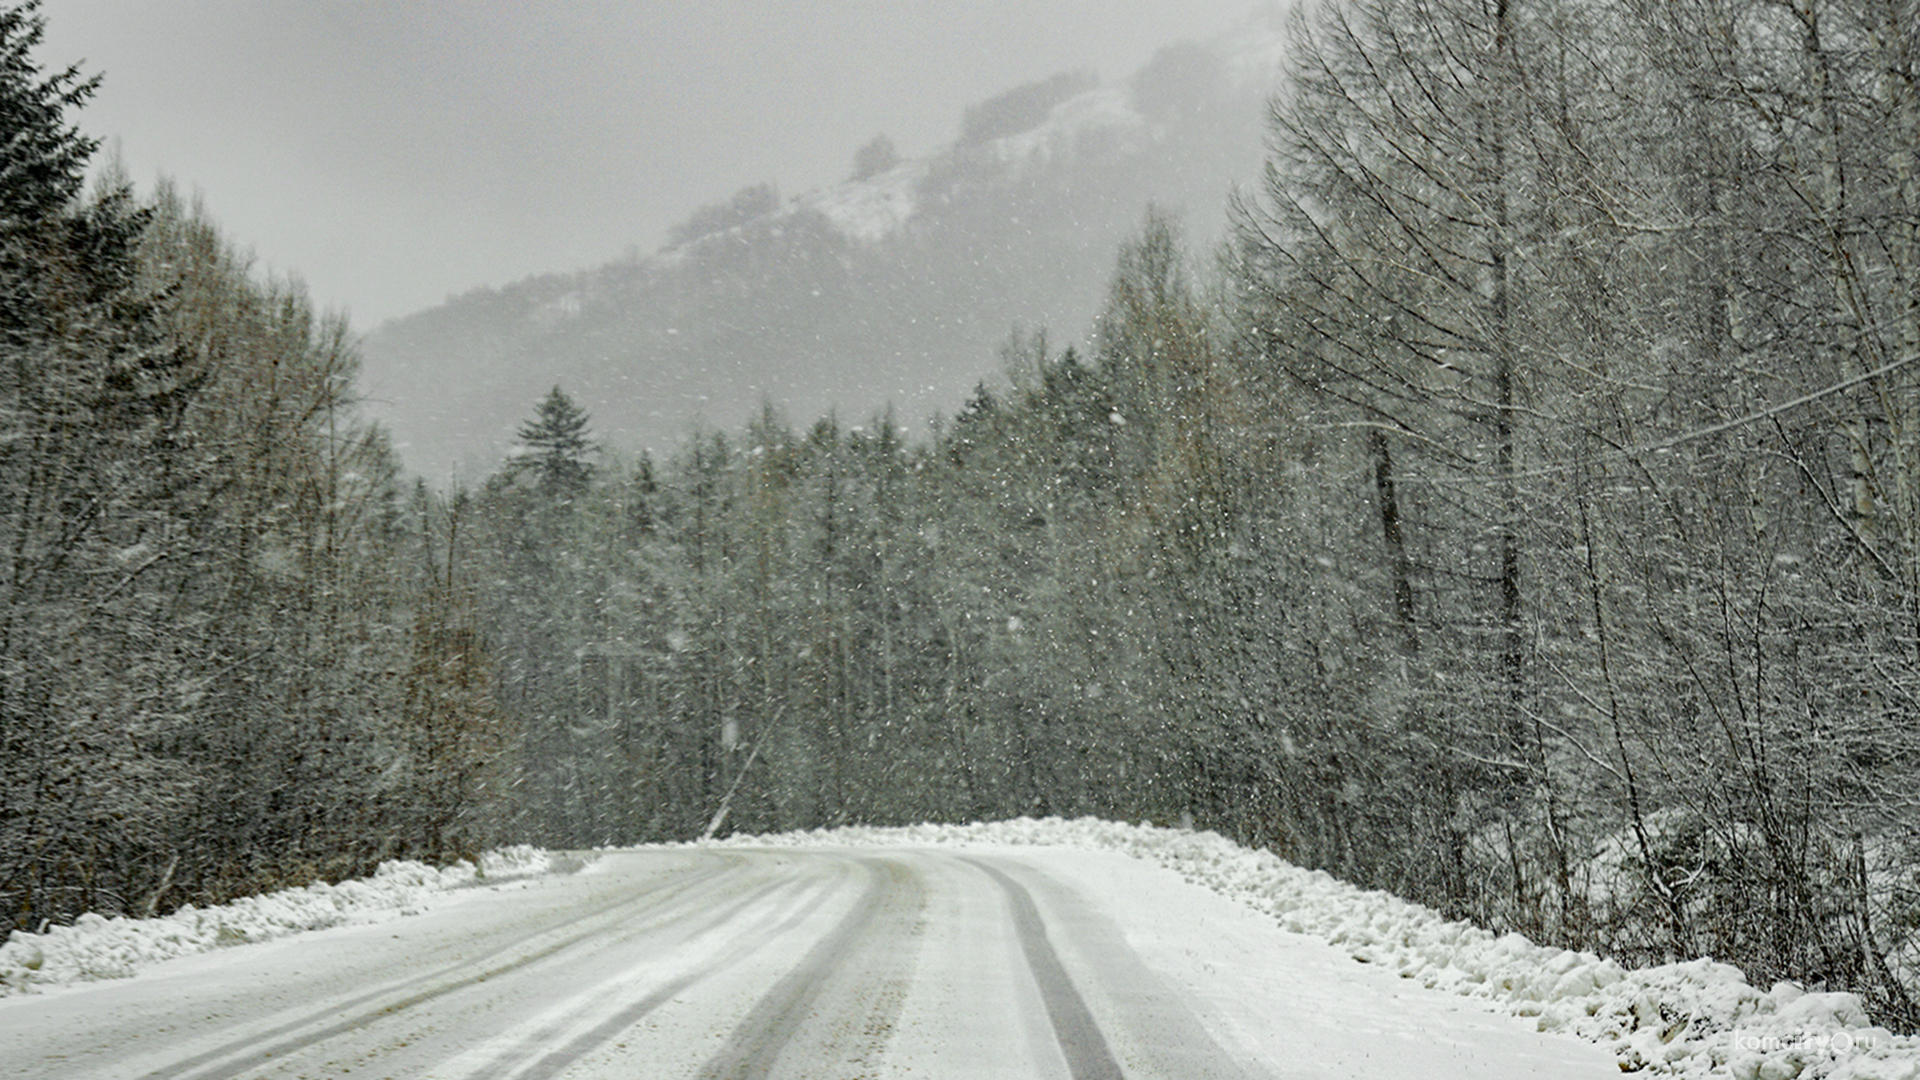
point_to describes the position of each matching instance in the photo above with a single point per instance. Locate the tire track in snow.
(1081, 1042)
(864, 965)
(742, 946)
(240, 1055)
(1153, 1029)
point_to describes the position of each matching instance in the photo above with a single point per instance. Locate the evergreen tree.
(555, 448)
(207, 683)
(43, 158)
(546, 605)
(94, 467)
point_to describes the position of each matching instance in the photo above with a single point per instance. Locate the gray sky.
(395, 152)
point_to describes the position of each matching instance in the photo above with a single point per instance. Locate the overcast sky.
(395, 152)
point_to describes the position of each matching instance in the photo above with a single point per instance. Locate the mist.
(394, 154)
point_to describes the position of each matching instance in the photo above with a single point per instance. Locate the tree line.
(1520, 512)
(1615, 306)
(230, 649)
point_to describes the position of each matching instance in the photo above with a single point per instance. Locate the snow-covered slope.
(897, 288)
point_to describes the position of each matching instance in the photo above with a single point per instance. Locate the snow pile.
(97, 947)
(1687, 1019)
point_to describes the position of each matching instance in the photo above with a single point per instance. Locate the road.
(822, 963)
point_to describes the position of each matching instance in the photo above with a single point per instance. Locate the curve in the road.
(745, 965)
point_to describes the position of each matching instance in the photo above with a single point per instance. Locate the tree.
(1611, 301)
(288, 586)
(457, 742)
(200, 599)
(43, 161)
(96, 475)
(554, 448)
(876, 157)
(750, 202)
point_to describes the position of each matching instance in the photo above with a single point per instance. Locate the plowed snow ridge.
(97, 947)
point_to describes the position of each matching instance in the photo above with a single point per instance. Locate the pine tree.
(555, 448)
(43, 159)
(98, 480)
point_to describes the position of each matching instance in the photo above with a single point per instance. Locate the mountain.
(893, 290)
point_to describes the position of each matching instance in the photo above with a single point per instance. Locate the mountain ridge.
(894, 290)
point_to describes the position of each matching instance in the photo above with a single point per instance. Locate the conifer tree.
(43, 158)
(555, 447)
(93, 471)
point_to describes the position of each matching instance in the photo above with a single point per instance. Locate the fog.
(394, 154)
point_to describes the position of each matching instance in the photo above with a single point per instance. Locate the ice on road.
(816, 962)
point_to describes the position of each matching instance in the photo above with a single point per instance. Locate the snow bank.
(1687, 1019)
(96, 947)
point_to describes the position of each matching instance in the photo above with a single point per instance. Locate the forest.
(1520, 512)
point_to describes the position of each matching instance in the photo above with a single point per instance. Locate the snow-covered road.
(814, 962)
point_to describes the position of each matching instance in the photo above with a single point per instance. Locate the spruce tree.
(43, 158)
(95, 470)
(555, 448)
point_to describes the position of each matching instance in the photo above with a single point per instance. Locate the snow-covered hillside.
(897, 288)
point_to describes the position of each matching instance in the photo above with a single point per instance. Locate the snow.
(96, 947)
(1099, 109)
(1689, 1019)
(872, 210)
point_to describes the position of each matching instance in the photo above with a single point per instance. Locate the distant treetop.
(554, 446)
(874, 158)
(1023, 108)
(752, 201)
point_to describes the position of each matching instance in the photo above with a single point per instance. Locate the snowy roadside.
(96, 947)
(1690, 1019)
